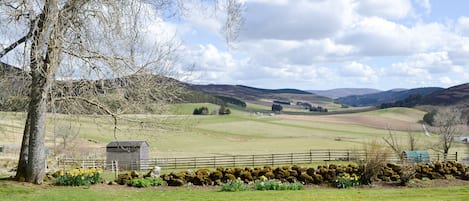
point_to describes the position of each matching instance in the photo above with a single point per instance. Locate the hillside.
(261, 96)
(453, 95)
(6, 69)
(385, 96)
(12, 88)
(343, 92)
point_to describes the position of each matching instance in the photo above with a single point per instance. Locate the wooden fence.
(241, 160)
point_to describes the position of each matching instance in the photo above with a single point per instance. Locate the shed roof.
(127, 143)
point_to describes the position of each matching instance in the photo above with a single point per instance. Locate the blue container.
(417, 156)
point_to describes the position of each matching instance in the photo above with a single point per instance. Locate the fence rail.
(239, 160)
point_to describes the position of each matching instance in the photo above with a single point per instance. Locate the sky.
(326, 44)
(312, 44)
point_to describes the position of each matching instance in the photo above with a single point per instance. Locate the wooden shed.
(129, 154)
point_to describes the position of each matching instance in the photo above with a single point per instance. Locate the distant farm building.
(129, 154)
(464, 139)
(282, 102)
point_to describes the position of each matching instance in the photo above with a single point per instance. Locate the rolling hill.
(450, 96)
(385, 96)
(261, 96)
(343, 92)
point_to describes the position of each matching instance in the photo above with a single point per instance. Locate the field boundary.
(308, 157)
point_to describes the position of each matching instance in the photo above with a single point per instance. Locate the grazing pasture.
(182, 134)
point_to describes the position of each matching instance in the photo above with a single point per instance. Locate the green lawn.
(19, 191)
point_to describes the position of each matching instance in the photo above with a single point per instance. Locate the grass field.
(21, 191)
(242, 132)
(182, 134)
(185, 135)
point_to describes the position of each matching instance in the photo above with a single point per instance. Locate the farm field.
(183, 135)
(22, 191)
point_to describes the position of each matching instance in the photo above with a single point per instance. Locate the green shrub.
(145, 182)
(234, 185)
(274, 185)
(79, 177)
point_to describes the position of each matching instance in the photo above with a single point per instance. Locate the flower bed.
(78, 177)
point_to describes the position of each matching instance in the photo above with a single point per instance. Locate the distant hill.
(241, 90)
(343, 92)
(8, 70)
(450, 96)
(276, 91)
(258, 95)
(385, 96)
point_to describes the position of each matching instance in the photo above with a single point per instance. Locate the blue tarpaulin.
(417, 156)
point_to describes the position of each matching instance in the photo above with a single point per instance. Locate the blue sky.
(318, 44)
(309, 44)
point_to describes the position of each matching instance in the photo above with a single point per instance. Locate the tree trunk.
(35, 170)
(23, 161)
(44, 60)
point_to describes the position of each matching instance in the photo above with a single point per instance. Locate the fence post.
(348, 155)
(214, 162)
(438, 156)
(310, 156)
(291, 158)
(456, 155)
(329, 155)
(273, 163)
(253, 160)
(115, 168)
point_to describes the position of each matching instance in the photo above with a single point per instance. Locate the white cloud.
(425, 4)
(389, 9)
(379, 37)
(446, 81)
(350, 42)
(356, 69)
(295, 21)
(463, 25)
(305, 52)
(434, 68)
(359, 72)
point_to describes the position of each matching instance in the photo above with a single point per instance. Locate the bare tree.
(397, 146)
(447, 124)
(67, 133)
(81, 55)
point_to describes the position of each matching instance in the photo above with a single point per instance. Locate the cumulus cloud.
(425, 5)
(463, 25)
(359, 72)
(428, 63)
(375, 36)
(336, 43)
(285, 20)
(305, 52)
(390, 9)
(446, 81)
